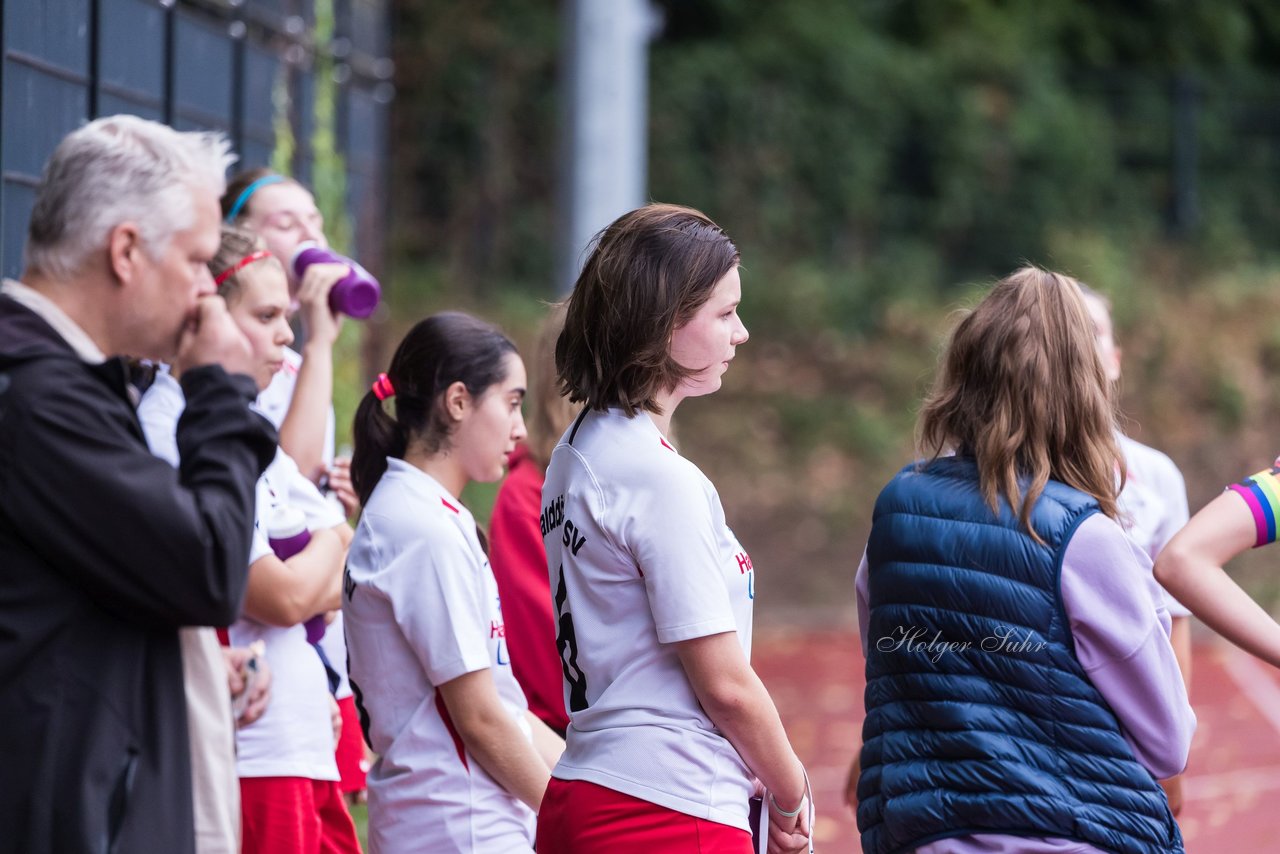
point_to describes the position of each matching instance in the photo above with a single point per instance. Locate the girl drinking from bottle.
(462, 763)
(299, 400)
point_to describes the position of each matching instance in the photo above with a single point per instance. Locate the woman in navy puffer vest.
(1022, 695)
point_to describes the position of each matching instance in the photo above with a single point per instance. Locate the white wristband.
(804, 797)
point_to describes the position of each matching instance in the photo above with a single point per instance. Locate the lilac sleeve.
(1121, 635)
(861, 592)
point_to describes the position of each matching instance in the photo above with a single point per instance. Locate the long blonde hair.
(1021, 389)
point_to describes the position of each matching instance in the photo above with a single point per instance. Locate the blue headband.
(264, 181)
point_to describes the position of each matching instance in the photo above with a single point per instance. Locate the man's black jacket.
(105, 551)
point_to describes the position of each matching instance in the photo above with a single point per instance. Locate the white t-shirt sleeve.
(440, 606)
(1173, 491)
(158, 412)
(306, 496)
(274, 401)
(1160, 477)
(674, 540)
(260, 547)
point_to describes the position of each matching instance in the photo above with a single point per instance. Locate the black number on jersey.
(567, 644)
(360, 709)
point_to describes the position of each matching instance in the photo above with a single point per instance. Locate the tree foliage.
(850, 134)
(874, 159)
(474, 138)
(891, 143)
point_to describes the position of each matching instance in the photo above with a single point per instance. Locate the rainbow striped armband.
(1262, 493)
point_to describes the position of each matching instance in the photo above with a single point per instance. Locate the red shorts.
(350, 752)
(578, 817)
(294, 815)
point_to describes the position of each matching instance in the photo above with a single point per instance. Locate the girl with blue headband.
(299, 401)
(284, 214)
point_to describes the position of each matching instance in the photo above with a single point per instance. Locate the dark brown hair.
(1021, 389)
(647, 275)
(239, 183)
(439, 351)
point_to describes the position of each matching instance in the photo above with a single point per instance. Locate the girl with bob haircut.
(462, 763)
(669, 727)
(1022, 694)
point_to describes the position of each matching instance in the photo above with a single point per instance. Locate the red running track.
(1231, 784)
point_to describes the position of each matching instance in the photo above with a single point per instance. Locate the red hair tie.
(382, 388)
(239, 265)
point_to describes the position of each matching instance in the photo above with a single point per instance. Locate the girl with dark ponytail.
(377, 436)
(462, 762)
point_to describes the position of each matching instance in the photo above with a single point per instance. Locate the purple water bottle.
(287, 536)
(355, 294)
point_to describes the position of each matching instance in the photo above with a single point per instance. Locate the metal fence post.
(605, 145)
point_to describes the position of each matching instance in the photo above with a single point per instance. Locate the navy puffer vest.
(980, 719)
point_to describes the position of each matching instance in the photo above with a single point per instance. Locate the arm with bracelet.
(1191, 565)
(765, 842)
(736, 701)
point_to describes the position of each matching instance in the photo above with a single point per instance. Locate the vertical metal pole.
(605, 136)
(95, 38)
(170, 48)
(237, 31)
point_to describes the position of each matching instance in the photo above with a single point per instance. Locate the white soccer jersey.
(1153, 505)
(335, 648)
(158, 413)
(421, 609)
(274, 400)
(640, 557)
(294, 737)
(273, 403)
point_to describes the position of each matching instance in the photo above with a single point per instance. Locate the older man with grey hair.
(105, 550)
